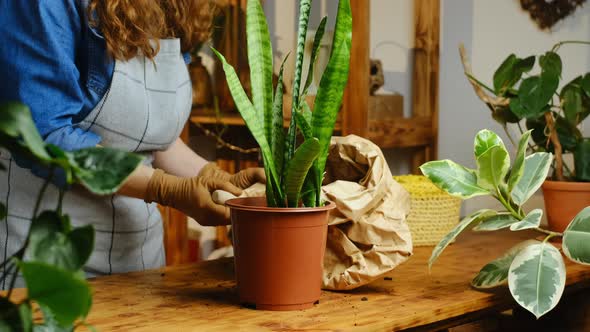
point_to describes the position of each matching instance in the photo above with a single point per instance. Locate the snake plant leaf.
(453, 178)
(65, 293)
(303, 125)
(492, 167)
(298, 167)
(484, 140)
(536, 167)
(15, 317)
(495, 273)
(518, 167)
(277, 137)
(315, 51)
(331, 89)
(306, 111)
(576, 238)
(537, 278)
(103, 170)
(290, 143)
(532, 220)
(308, 192)
(255, 126)
(461, 226)
(494, 223)
(260, 61)
(17, 123)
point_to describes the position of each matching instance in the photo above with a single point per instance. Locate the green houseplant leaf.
(298, 167)
(492, 167)
(518, 167)
(576, 238)
(537, 278)
(315, 51)
(15, 317)
(16, 122)
(510, 72)
(67, 295)
(582, 160)
(52, 241)
(277, 138)
(260, 61)
(453, 178)
(494, 223)
(536, 168)
(103, 170)
(250, 116)
(571, 101)
(484, 140)
(290, 142)
(495, 273)
(532, 220)
(331, 88)
(466, 222)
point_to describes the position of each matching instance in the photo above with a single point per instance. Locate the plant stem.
(508, 206)
(509, 136)
(558, 45)
(41, 193)
(60, 200)
(556, 145)
(548, 232)
(471, 77)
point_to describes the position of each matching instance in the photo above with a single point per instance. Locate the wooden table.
(202, 297)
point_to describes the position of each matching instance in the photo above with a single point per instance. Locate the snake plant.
(294, 172)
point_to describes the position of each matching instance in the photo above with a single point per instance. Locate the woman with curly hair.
(110, 73)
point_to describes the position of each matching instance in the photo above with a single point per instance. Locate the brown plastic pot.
(563, 201)
(279, 253)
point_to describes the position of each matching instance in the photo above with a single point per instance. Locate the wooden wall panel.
(426, 72)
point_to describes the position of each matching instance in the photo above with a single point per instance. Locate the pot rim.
(566, 185)
(241, 204)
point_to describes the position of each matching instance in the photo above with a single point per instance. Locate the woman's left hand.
(243, 179)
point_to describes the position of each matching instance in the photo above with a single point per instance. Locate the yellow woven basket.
(433, 212)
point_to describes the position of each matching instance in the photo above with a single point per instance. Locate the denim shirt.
(54, 62)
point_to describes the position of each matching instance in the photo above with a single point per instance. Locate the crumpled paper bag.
(367, 232)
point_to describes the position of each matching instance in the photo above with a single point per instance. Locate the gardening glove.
(243, 179)
(192, 196)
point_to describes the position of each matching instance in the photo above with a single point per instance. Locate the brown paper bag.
(367, 232)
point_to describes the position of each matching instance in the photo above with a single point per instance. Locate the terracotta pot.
(279, 253)
(563, 201)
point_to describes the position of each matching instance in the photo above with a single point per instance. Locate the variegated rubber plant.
(534, 270)
(294, 174)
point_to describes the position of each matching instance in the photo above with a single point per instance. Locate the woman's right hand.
(192, 196)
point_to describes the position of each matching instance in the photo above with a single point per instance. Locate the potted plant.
(280, 240)
(54, 252)
(554, 116)
(533, 269)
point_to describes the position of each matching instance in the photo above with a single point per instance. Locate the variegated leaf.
(453, 178)
(532, 220)
(576, 238)
(298, 167)
(495, 223)
(484, 140)
(518, 167)
(537, 278)
(495, 273)
(461, 226)
(536, 167)
(492, 167)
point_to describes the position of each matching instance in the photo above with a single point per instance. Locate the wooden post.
(426, 73)
(356, 98)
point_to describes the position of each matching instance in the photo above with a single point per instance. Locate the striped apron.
(143, 111)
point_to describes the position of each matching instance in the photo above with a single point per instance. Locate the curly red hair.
(129, 25)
